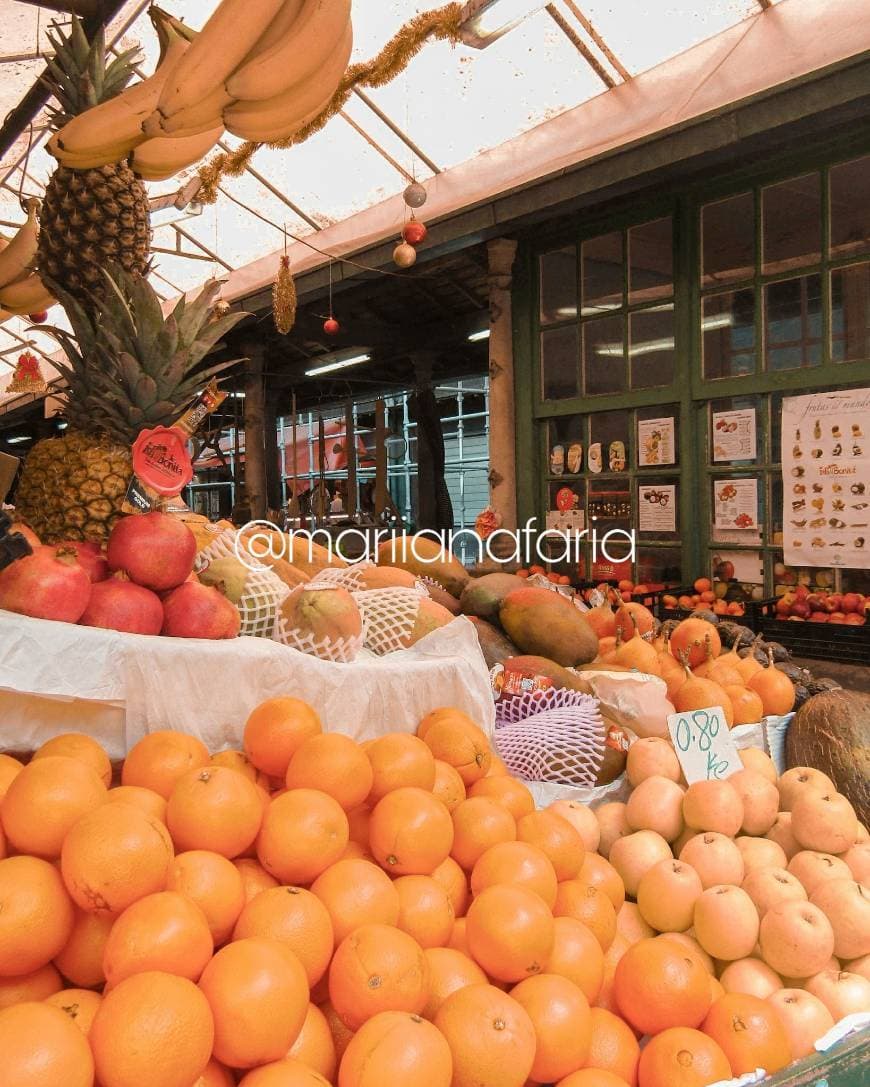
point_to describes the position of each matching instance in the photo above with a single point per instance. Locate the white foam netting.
(551, 736)
(389, 617)
(338, 650)
(264, 591)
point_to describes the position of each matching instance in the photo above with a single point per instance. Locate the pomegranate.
(156, 550)
(199, 611)
(90, 557)
(49, 584)
(118, 604)
(27, 533)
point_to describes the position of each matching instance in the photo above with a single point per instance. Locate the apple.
(802, 592)
(835, 600)
(816, 602)
(725, 571)
(819, 617)
(836, 617)
(852, 602)
(854, 620)
(800, 609)
(783, 605)
(789, 577)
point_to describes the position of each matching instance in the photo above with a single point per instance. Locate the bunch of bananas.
(21, 289)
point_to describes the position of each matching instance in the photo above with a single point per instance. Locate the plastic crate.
(663, 613)
(818, 641)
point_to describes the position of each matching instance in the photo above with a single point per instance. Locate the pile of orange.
(309, 910)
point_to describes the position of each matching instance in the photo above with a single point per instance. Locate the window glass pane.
(792, 223)
(850, 207)
(604, 355)
(559, 285)
(609, 441)
(731, 439)
(658, 507)
(728, 233)
(659, 567)
(565, 446)
(728, 324)
(850, 313)
(603, 273)
(559, 363)
(775, 527)
(651, 261)
(609, 508)
(658, 436)
(793, 323)
(651, 350)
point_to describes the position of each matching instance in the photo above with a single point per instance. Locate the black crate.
(818, 641)
(663, 613)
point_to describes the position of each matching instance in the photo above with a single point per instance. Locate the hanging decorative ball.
(404, 255)
(221, 308)
(414, 232)
(38, 318)
(331, 327)
(415, 195)
(284, 298)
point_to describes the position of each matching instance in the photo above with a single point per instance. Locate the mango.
(495, 646)
(547, 624)
(484, 596)
(425, 557)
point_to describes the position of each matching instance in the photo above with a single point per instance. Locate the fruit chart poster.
(826, 479)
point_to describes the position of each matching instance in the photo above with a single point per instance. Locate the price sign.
(703, 744)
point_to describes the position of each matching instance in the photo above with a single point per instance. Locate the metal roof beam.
(373, 143)
(765, 4)
(394, 128)
(581, 46)
(615, 62)
(276, 192)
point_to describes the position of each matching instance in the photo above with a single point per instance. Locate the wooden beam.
(581, 46)
(82, 8)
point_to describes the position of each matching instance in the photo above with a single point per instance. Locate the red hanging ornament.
(38, 318)
(331, 327)
(414, 232)
(27, 377)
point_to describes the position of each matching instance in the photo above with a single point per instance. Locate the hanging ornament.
(27, 377)
(414, 232)
(415, 195)
(331, 327)
(404, 255)
(220, 309)
(284, 298)
(38, 318)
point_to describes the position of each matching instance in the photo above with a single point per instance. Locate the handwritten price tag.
(703, 744)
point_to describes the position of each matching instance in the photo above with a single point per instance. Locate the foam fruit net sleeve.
(264, 591)
(389, 617)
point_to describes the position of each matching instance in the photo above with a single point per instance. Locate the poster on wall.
(734, 435)
(655, 442)
(657, 508)
(826, 479)
(735, 505)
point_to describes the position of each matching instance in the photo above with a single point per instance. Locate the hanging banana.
(26, 295)
(160, 158)
(19, 255)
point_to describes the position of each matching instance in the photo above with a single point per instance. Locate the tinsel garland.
(443, 24)
(284, 298)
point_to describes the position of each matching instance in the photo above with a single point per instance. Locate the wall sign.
(734, 435)
(703, 745)
(735, 504)
(655, 442)
(826, 479)
(657, 508)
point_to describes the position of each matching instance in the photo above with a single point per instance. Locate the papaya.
(430, 616)
(445, 599)
(547, 624)
(386, 577)
(495, 646)
(425, 557)
(541, 666)
(484, 596)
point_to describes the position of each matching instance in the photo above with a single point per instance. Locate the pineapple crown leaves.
(78, 75)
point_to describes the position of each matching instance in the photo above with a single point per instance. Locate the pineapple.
(128, 367)
(90, 218)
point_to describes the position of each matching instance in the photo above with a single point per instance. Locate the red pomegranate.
(49, 584)
(91, 558)
(199, 611)
(156, 550)
(118, 604)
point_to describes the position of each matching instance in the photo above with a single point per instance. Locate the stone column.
(502, 407)
(255, 442)
(272, 453)
(426, 505)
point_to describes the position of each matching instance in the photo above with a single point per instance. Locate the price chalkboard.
(704, 745)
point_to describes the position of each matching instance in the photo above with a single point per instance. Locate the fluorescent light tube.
(339, 364)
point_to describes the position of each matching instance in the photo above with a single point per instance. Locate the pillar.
(427, 510)
(255, 442)
(273, 461)
(502, 408)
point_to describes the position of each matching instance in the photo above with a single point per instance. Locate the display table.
(55, 677)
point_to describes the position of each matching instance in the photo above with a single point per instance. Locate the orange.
(606, 998)
(455, 739)
(146, 800)
(442, 713)
(613, 1046)
(490, 1035)
(455, 883)
(42, 1047)
(159, 759)
(353, 851)
(396, 1046)
(276, 730)
(214, 884)
(410, 832)
(459, 937)
(45, 800)
(358, 821)
(666, 895)
(517, 863)
(152, 1028)
(425, 911)
(81, 1005)
(449, 786)
(682, 1057)
(592, 1077)
(10, 768)
(479, 823)
(377, 968)
(577, 956)
(3, 850)
(314, 1045)
(36, 915)
(215, 1075)
(356, 892)
(303, 832)
(163, 931)
(497, 767)
(507, 791)
(341, 1034)
(114, 856)
(631, 924)
(214, 808)
(399, 760)
(589, 904)
(255, 878)
(749, 1032)
(258, 993)
(449, 970)
(556, 839)
(295, 917)
(233, 759)
(334, 764)
(560, 1015)
(284, 1073)
(81, 958)
(37, 985)
(600, 873)
(658, 985)
(510, 932)
(75, 745)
